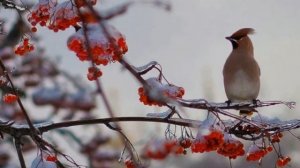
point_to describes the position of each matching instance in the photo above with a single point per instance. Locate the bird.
(241, 72)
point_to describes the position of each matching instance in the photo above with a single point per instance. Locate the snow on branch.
(203, 104)
(269, 127)
(8, 4)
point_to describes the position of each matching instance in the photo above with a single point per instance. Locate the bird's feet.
(256, 101)
(228, 102)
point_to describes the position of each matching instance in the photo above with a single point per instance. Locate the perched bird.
(241, 72)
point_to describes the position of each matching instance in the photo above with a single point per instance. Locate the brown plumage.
(241, 72)
(242, 33)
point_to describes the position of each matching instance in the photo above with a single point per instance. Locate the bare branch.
(18, 100)
(19, 151)
(268, 127)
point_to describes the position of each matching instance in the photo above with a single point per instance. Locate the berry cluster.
(283, 161)
(173, 91)
(185, 142)
(51, 158)
(160, 149)
(208, 142)
(231, 148)
(255, 153)
(9, 98)
(24, 47)
(276, 137)
(129, 163)
(56, 16)
(173, 146)
(40, 13)
(93, 73)
(102, 49)
(145, 99)
(164, 91)
(64, 15)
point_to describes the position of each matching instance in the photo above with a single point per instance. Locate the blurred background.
(189, 43)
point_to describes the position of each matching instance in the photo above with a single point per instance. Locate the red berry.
(51, 158)
(33, 29)
(9, 98)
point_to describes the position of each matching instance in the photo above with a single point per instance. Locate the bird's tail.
(246, 112)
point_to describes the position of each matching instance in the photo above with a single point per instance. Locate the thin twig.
(100, 90)
(18, 98)
(19, 151)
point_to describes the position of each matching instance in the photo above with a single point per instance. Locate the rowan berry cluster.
(56, 16)
(159, 91)
(102, 49)
(93, 73)
(129, 163)
(51, 158)
(145, 99)
(24, 47)
(9, 98)
(283, 161)
(276, 137)
(160, 149)
(185, 142)
(208, 142)
(40, 13)
(255, 153)
(64, 15)
(231, 147)
(173, 146)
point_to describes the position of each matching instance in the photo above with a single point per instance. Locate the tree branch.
(16, 130)
(19, 151)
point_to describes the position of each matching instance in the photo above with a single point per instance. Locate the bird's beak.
(229, 38)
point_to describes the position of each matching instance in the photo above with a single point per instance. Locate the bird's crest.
(242, 33)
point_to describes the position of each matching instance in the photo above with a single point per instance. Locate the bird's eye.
(234, 43)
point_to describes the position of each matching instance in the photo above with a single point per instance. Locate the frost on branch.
(102, 48)
(10, 4)
(158, 93)
(161, 114)
(145, 68)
